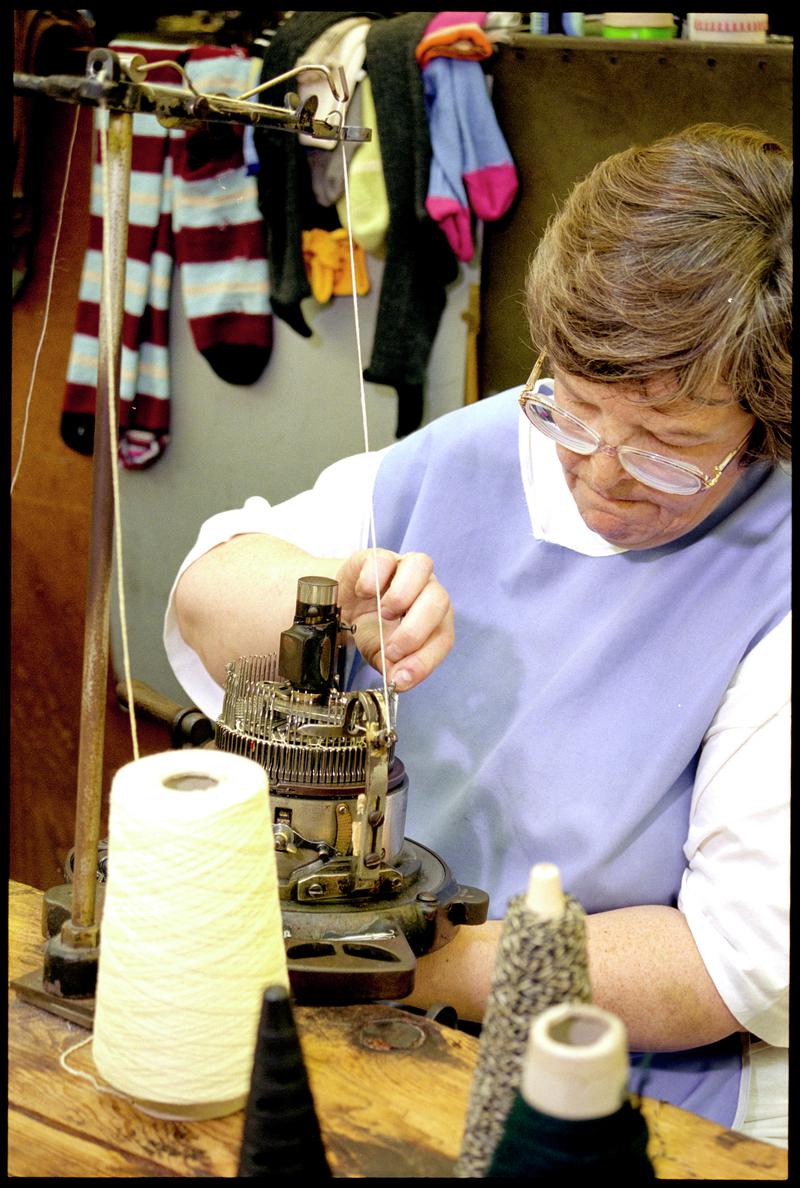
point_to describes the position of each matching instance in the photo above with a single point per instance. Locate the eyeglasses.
(654, 470)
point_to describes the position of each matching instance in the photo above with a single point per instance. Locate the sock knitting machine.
(359, 900)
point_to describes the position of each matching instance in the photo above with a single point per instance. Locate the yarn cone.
(541, 962)
(572, 1120)
(281, 1131)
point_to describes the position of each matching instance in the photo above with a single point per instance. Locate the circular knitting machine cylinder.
(360, 901)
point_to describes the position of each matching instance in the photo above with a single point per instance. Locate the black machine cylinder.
(308, 650)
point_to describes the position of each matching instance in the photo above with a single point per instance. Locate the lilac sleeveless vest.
(565, 724)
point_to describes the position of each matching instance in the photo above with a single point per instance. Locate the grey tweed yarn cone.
(540, 962)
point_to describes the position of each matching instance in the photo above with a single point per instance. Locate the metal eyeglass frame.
(706, 481)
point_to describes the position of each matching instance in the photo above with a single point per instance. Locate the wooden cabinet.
(565, 103)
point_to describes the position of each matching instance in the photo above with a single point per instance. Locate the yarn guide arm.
(118, 83)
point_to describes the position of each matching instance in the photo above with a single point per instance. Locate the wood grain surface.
(384, 1111)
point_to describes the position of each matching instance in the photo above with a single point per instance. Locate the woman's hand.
(415, 609)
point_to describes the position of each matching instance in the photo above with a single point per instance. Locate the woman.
(611, 547)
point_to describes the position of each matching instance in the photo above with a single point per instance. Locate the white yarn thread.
(46, 315)
(364, 425)
(79, 1072)
(192, 932)
(113, 429)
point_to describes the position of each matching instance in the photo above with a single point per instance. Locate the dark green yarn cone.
(551, 1150)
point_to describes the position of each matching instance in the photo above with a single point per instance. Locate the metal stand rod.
(83, 930)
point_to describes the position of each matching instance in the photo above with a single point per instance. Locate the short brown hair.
(676, 258)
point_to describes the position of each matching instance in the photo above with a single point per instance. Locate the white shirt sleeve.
(735, 891)
(331, 519)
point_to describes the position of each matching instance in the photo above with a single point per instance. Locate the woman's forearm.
(237, 598)
(643, 965)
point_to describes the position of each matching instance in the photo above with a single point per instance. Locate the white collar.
(554, 514)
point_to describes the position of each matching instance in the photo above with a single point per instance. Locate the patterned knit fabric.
(472, 171)
(540, 962)
(454, 35)
(192, 203)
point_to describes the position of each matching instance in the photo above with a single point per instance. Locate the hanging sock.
(193, 202)
(490, 175)
(447, 201)
(454, 35)
(286, 196)
(472, 169)
(369, 205)
(219, 233)
(144, 364)
(327, 257)
(418, 262)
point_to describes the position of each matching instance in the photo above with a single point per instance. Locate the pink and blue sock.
(472, 170)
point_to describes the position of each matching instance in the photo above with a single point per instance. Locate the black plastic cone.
(281, 1131)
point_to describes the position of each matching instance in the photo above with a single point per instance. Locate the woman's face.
(617, 506)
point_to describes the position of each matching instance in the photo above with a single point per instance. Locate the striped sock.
(219, 230)
(192, 202)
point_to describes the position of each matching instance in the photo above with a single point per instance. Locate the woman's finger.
(425, 615)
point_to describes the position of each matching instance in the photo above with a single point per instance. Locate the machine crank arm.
(189, 726)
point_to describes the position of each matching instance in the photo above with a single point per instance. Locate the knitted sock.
(144, 370)
(193, 200)
(369, 205)
(327, 257)
(419, 263)
(471, 165)
(219, 232)
(286, 197)
(447, 201)
(291, 313)
(490, 175)
(454, 35)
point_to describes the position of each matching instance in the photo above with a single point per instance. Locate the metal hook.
(326, 70)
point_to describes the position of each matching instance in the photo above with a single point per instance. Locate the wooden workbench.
(382, 1112)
